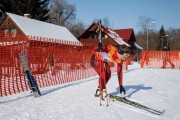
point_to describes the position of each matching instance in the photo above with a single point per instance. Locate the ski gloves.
(122, 90)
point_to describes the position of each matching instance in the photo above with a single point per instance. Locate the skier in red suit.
(104, 61)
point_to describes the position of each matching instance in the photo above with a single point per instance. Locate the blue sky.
(125, 13)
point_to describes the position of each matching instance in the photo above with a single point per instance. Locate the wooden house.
(39, 39)
(117, 37)
(11, 24)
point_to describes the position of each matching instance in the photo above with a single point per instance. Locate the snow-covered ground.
(156, 88)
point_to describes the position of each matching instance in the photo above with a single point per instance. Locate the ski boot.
(104, 94)
(97, 94)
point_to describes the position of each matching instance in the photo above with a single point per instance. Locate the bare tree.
(64, 14)
(77, 28)
(140, 39)
(174, 38)
(146, 25)
(96, 20)
(105, 21)
(61, 13)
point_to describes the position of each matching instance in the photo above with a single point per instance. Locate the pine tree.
(5, 5)
(38, 9)
(162, 40)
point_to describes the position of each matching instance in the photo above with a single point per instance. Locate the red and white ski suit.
(101, 63)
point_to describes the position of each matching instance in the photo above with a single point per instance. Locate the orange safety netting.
(160, 59)
(51, 62)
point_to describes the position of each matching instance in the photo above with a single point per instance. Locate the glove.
(122, 89)
(126, 54)
(100, 46)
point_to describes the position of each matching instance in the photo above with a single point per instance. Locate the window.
(10, 31)
(6, 31)
(13, 32)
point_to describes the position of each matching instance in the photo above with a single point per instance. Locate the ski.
(135, 104)
(31, 81)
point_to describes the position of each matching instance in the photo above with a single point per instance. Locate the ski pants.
(120, 74)
(102, 69)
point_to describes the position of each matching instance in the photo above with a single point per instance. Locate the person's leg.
(108, 73)
(119, 73)
(164, 62)
(104, 76)
(95, 64)
(120, 78)
(101, 82)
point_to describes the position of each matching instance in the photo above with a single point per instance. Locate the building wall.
(8, 26)
(105, 41)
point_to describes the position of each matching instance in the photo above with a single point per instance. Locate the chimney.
(27, 15)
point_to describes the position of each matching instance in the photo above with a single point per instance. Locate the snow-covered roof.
(117, 38)
(32, 27)
(137, 46)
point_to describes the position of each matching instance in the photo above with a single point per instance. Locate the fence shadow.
(45, 92)
(65, 86)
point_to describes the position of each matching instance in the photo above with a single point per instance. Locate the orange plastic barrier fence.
(160, 59)
(51, 62)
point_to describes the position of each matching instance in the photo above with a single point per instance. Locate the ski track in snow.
(137, 110)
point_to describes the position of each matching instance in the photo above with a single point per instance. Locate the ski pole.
(102, 66)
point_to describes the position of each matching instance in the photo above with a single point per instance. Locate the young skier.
(109, 56)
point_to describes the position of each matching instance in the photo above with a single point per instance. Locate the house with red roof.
(23, 25)
(117, 37)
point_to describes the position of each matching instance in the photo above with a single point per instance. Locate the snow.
(155, 88)
(32, 27)
(117, 38)
(137, 46)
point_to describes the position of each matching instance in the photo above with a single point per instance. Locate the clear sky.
(125, 13)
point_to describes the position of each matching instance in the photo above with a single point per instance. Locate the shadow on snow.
(51, 90)
(131, 89)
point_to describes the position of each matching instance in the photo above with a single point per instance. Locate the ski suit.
(110, 56)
